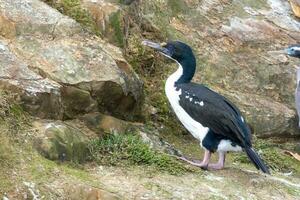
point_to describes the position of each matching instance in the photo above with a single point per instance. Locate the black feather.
(256, 160)
(217, 112)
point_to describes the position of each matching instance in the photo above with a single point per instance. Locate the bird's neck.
(187, 70)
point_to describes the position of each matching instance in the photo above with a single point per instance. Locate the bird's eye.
(292, 49)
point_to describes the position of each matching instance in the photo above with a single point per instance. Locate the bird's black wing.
(214, 111)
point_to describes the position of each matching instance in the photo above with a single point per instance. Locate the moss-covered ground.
(128, 149)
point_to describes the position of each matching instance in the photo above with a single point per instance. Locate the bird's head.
(180, 52)
(174, 50)
(293, 50)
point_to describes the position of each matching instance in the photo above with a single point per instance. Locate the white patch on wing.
(191, 99)
(194, 127)
(226, 145)
(242, 119)
(201, 103)
(296, 48)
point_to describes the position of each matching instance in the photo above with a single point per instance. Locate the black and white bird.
(211, 118)
(294, 51)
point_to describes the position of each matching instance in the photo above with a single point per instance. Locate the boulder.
(265, 116)
(107, 17)
(89, 74)
(40, 96)
(35, 18)
(57, 140)
(234, 43)
(100, 123)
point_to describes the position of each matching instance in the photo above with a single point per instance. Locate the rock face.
(60, 141)
(295, 4)
(41, 96)
(234, 42)
(100, 123)
(59, 70)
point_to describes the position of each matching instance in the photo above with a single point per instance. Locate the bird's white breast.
(194, 127)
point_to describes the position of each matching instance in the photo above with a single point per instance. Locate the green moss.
(257, 4)
(115, 22)
(293, 191)
(129, 149)
(12, 116)
(7, 161)
(177, 6)
(73, 9)
(13, 120)
(41, 171)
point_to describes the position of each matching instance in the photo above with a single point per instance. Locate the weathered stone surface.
(60, 141)
(106, 124)
(233, 42)
(32, 17)
(295, 4)
(250, 30)
(76, 101)
(157, 143)
(101, 12)
(40, 96)
(265, 116)
(109, 19)
(89, 64)
(94, 74)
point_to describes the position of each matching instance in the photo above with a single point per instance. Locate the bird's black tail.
(256, 160)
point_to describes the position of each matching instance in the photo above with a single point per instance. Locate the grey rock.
(60, 141)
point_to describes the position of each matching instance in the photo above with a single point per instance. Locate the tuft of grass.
(130, 149)
(177, 7)
(13, 120)
(73, 9)
(7, 160)
(12, 116)
(115, 21)
(273, 156)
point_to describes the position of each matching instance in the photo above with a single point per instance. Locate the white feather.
(194, 127)
(226, 145)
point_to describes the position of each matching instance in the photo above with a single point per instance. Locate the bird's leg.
(202, 164)
(220, 163)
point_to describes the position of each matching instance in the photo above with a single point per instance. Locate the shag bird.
(294, 51)
(211, 118)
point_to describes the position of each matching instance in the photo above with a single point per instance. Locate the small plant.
(130, 149)
(115, 21)
(73, 9)
(12, 114)
(177, 6)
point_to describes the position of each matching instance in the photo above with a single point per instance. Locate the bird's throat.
(187, 70)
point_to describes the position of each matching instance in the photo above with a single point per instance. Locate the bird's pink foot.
(196, 163)
(220, 164)
(216, 166)
(203, 164)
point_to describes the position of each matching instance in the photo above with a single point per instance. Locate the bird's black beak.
(159, 47)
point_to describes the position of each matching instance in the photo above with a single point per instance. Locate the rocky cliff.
(74, 78)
